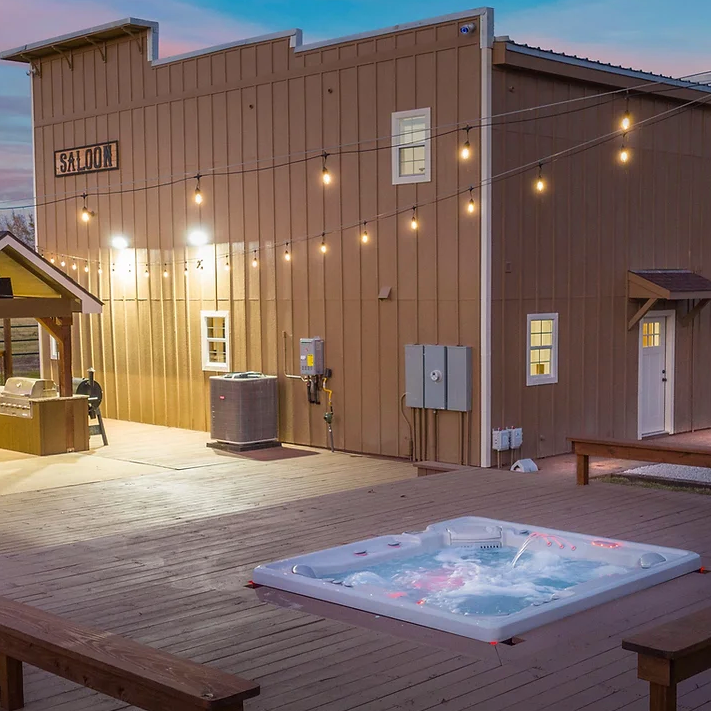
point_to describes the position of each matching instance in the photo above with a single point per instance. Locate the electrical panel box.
(516, 437)
(500, 440)
(414, 376)
(459, 378)
(311, 356)
(435, 377)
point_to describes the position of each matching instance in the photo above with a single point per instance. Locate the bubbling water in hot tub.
(470, 581)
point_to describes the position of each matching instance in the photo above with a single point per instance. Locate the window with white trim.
(215, 339)
(542, 349)
(411, 146)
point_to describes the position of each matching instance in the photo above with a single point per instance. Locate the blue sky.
(646, 34)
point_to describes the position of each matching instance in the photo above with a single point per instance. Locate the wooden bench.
(115, 666)
(428, 467)
(638, 451)
(670, 653)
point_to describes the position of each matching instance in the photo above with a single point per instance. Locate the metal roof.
(605, 66)
(82, 38)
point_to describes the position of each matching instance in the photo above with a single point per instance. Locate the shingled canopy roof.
(670, 285)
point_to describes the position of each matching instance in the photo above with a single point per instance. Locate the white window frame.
(425, 177)
(552, 377)
(205, 342)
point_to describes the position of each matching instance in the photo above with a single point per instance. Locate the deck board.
(164, 558)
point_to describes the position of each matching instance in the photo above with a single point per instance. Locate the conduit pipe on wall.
(486, 42)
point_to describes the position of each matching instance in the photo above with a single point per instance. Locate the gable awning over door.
(653, 285)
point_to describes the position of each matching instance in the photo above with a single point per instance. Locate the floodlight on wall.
(119, 242)
(198, 238)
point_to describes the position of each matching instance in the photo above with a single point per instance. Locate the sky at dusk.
(645, 34)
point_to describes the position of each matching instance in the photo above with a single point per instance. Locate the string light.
(52, 260)
(86, 214)
(466, 148)
(227, 263)
(146, 273)
(86, 269)
(165, 270)
(626, 118)
(624, 154)
(413, 221)
(255, 262)
(364, 233)
(185, 270)
(471, 205)
(326, 176)
(99, 270)
(62, 263)
(540, 183)
(198, 194)
(287, 255)
(324, 248)
(74, 266)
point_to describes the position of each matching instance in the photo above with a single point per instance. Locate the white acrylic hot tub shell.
(457, 532)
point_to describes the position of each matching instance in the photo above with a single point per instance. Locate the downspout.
(486, 41)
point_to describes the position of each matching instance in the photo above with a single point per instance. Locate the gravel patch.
(673, 472)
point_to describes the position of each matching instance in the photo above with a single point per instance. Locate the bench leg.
(583, 469)
(662, 698)
(11, 693)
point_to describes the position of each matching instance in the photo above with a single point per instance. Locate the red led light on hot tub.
(606, 544)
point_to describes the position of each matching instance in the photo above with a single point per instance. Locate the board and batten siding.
(569, 249)
(253, 105)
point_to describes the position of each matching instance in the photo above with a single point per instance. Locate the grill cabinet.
(243, 409)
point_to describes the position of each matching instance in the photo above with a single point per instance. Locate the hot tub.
(478, 577)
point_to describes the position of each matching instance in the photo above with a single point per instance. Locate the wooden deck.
(163, 558)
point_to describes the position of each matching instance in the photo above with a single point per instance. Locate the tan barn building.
(548, 287)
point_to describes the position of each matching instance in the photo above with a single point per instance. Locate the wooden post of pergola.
(61, 329)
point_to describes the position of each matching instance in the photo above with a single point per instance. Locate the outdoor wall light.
(119, 242)
(198, 238)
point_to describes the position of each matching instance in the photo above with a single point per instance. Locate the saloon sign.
(86, 159)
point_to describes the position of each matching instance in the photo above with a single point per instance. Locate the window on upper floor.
(411, 146)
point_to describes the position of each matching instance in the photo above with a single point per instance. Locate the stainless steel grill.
(16, 396)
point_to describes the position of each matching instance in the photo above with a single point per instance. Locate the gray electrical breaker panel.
(311, 356)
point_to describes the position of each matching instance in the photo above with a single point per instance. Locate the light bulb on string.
(626, 118)
(255, 261)
(74, 266)
(227, 263)
(540, 182)
(51, 260)
(325, 175)
(185, 269)
(466, 151)
(624, 154)
(99, 270)
(86, 269)
(364, 234)
(287, 255)
(323, 247)
(413, 220)
(62, 263)
(198, 194)
(471, 205)
(86, 214)
(165, 270)
(146, 273)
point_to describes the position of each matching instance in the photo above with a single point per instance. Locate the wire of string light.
(315, 153)
(549, 159)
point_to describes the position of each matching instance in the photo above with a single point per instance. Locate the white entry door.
(653, 380)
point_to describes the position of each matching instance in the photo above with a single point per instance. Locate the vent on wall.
(243, 408)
